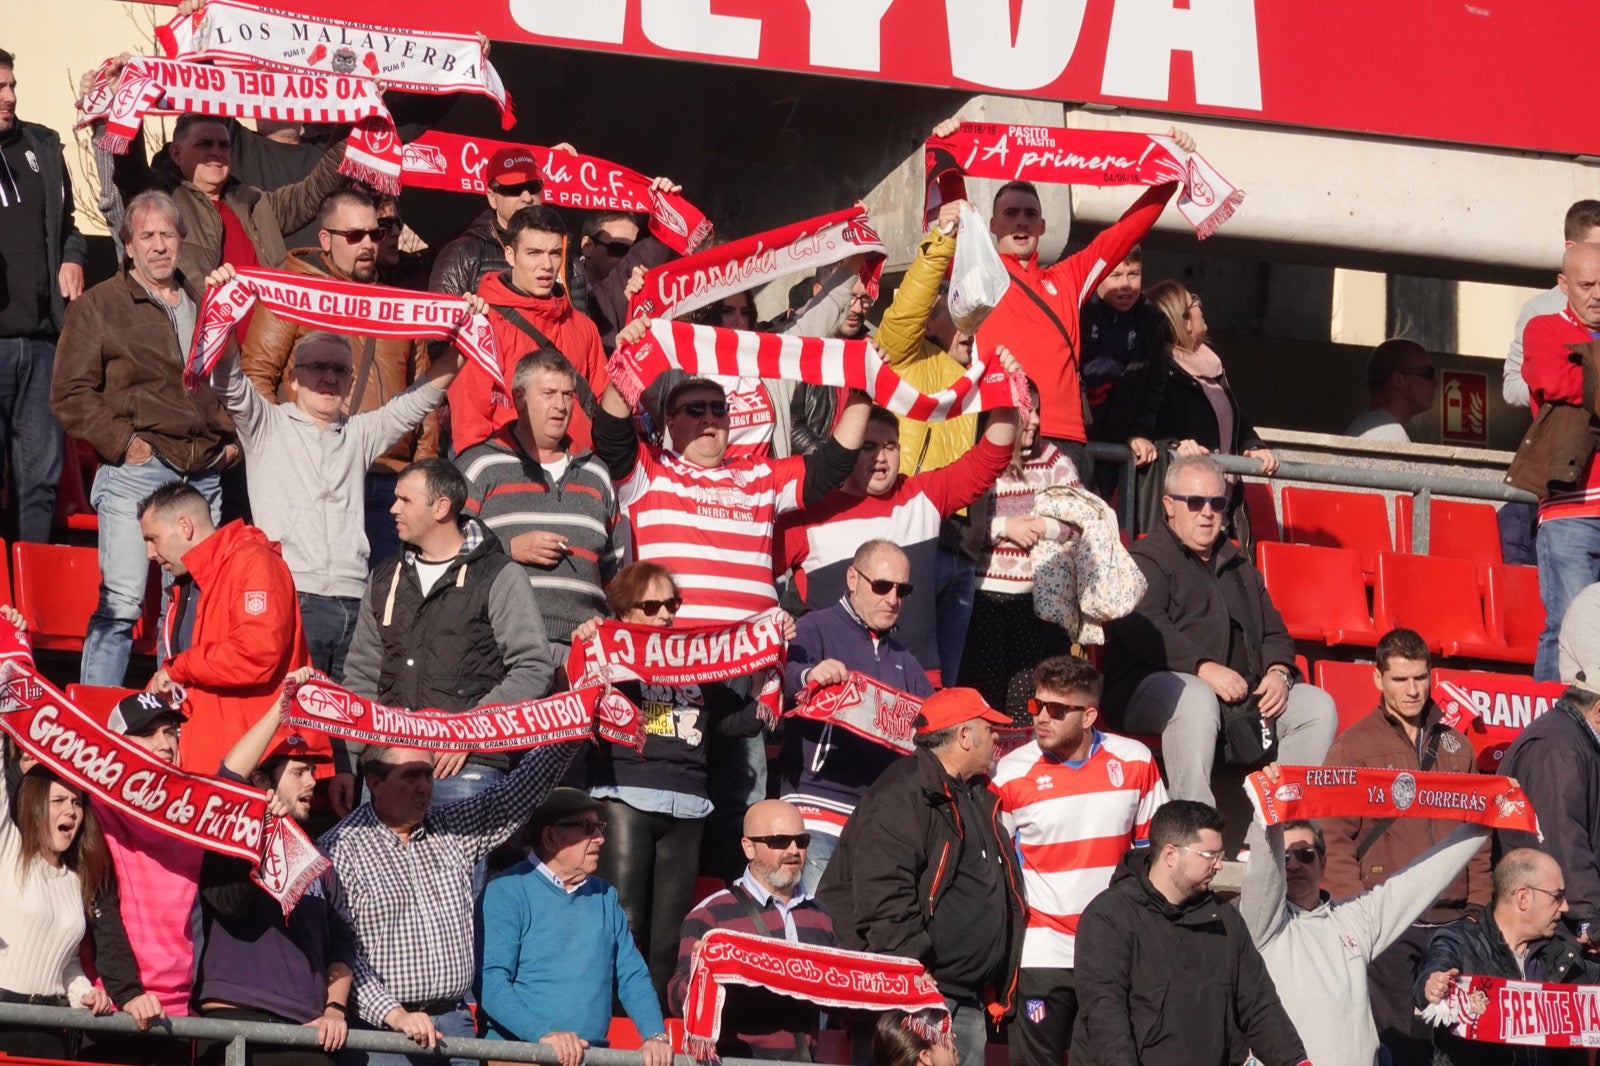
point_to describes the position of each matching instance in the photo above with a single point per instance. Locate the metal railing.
(240, 1035)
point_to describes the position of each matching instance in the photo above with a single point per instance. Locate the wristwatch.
(1288, 675)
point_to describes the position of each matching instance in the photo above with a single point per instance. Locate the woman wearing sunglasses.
(655, 802)
(1181, 404)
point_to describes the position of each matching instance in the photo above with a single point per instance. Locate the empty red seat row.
(1336, 518)
(56, 587)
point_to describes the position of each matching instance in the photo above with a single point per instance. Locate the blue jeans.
(383, 539)
(453, 1023)
(955, 578)
(969, 1029)
(473, 780)
(817, 856)
(1569, 562)
(29, 435)
(124, 563)
(329, 623)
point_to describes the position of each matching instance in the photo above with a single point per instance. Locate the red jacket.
(475, 411)
(1018, 323)
(247, 638)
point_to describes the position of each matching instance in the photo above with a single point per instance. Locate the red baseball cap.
(952, 706)
(512, 166)
(293, 745)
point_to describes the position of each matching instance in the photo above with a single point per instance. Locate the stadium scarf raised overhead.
(168, 87)
(687, 655)
(238, 34)
(1076, 157)
(856, 364)
(449, 161)
(342, 307)
(866, 707)
(227, 817)
(685, 285)
(827, 977)
(1343, 791)
(583, 712)
(1498, 1010)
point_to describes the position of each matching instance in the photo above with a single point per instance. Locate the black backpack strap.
(587, 401)
(1430, 755)
(1050, 313)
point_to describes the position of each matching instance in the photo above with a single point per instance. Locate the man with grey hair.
(119, 386)
(307, 468)
(552, 506)
(1400, 385)
(1205, 641)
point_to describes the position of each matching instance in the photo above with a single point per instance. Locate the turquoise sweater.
(551, 960)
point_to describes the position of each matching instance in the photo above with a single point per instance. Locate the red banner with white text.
(1533, 1013)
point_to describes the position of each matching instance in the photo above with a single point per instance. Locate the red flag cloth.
(866, 707)
(1497, 1010)
(1340, 791)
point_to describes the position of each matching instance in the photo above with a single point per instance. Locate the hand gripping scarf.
(454, 163)
(685, 285)
(168, 87)
(1341, 791)
(687, 655)
(1077, 157)
(232, 33)
(342, 307)
(222, 816)
(714, 351)
(866, 707)
(322, 705)
(827, 977)
(1498, 1010)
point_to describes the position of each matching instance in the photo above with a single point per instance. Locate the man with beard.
(767, 901)
(350, 248)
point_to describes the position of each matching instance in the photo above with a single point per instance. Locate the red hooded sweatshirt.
(477, 408)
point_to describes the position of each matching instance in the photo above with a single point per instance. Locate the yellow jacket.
(922, 363)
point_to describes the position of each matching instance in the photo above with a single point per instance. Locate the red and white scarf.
(857, 364)
(691, 655)
(685, 285)
(1499, 1010)
(866, 707)
(827, 977)
(168, 87)
(1077, 157)
(342, 307)
(322, 705)
(237, 34)
(1343, 791)
(449, 161)
(222, 816)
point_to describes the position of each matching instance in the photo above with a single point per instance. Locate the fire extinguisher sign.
(1464, 407)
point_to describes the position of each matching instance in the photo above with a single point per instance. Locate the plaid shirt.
(412, 901)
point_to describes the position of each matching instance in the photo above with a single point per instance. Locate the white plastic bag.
(978, 279)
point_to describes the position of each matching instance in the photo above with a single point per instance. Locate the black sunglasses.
(536, 186)
(655, 606)
(698, 408)
(590, 828)
(1196, 503)
(1305, 856)
(883, 586)
(615, 249)
(354, 236)
(781, 841)
(391, 225)
(336, 369)
(1054, 708)
(1426, 372)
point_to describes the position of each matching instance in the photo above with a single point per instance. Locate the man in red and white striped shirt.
(1075, 800)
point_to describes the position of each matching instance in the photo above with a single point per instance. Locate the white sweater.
(1318, 958)
(41, 922)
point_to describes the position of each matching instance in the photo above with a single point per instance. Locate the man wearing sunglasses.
(768, 900)
(826, 770)
(512, 180)
(1400, 385)
(1317, 948)
(1075, 799)
(348, 246)
(613, 247)
(1205, 634)
(1522, 937)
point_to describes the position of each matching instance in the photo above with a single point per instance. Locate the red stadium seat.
(74, 512)
(623, 1035)
(1515, 611)
(706, 887)
(57, 587)
(1458, 529)
(1352, 689)
(97, 701)
(1335, 519)
(1438, 598)
(1319, 592)
(1262, 510)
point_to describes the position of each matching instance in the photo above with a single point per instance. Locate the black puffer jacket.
(1479, 948)
(1557, 760)
(464, 261)
(1165, 985)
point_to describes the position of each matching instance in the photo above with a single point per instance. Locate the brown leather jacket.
(1379, 741)
(384, 367)
(1555, 452)
(119, 372)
